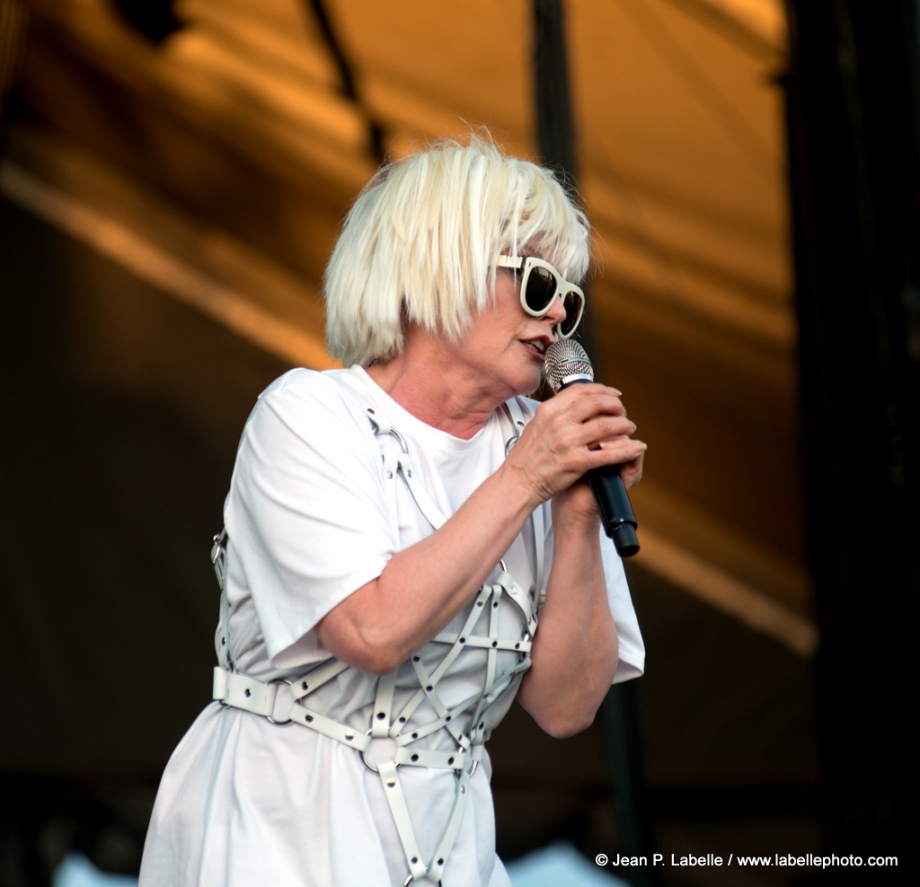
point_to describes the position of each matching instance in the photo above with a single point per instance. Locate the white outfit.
(311, 517)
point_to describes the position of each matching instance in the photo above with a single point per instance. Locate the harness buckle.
(380, 750)
(281, 717)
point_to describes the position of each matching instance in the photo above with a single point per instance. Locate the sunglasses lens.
(572, 305)
(541, 289)
(541, 286)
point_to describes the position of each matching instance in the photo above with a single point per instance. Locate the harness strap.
(538, 524)
(425, 503)
(396, 801)
(222, 635)
(383, 705)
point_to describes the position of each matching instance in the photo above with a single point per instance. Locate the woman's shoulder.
(309, 399)
(325, 387)
(302, 382)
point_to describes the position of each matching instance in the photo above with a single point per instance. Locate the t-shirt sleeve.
(306, 514)
(632, 647)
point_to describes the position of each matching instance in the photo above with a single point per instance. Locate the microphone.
(567, 364)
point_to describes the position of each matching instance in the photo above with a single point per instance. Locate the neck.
(426, 382)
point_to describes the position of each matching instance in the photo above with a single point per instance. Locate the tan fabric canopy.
(231, 148)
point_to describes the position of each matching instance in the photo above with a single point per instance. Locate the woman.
(394, 533)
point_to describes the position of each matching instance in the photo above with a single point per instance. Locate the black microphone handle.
(612, 502)
(614, 508)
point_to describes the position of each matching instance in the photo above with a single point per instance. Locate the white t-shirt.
(310, 519)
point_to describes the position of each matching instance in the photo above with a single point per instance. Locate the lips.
(539, 345)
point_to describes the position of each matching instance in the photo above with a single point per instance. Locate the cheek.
(507, 297)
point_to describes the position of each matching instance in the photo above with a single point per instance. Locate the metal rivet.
(416, 658)
(494, 643)
(380, 715)
(402, 720)
(429, 687)
(414, 757)
(415, 735)
(450, 760)
(389, 475)
(309, 718)
(223, 642)
(391, 783)
(304, 685)
(447, 718)
(370, 409)
(462, 640)
(414, 860)
(349, 736)
(246, 693)
(409, 473)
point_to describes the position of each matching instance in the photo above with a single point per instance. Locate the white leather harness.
(384, 747)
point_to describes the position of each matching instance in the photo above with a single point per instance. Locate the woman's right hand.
(584, 426)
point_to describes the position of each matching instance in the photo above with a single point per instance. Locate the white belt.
(278, 702)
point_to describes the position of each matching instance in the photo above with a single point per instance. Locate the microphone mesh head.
(565, 358)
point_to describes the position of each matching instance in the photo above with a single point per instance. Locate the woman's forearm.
(424, 586)
(575, 650)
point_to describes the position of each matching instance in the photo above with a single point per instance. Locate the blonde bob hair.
(420, 242)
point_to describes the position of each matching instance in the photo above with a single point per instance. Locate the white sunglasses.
(541, 283)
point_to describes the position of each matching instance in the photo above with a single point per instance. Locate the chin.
(530, 382)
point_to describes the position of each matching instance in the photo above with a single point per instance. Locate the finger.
(594, 432)
(631, 472)
(587, 399)
(624, 452)
(587, 421)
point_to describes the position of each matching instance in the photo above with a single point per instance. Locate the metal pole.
(555, 131)
(620, 711)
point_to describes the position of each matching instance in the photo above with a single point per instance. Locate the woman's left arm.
(575, 650)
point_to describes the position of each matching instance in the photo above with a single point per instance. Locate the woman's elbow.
(376, 661)
(375, 656)
(369, 651)
(562, 725)
(554, 716)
